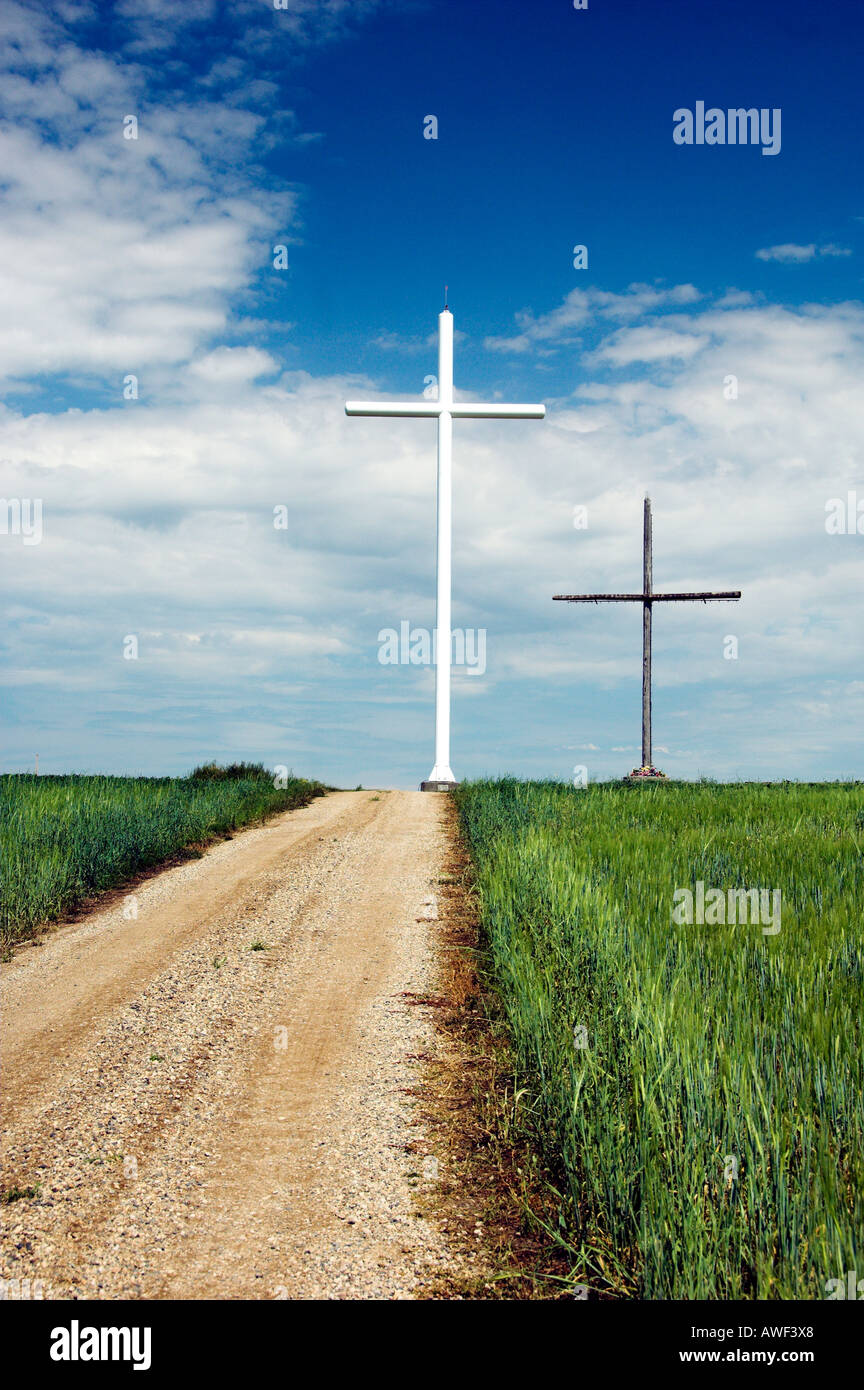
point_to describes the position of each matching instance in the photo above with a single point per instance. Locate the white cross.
(445, 409)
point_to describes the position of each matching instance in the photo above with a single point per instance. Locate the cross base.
(438, 786)
(647, 773)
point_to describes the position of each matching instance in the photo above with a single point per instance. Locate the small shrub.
(232, 772)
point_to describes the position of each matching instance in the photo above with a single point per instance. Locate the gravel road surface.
(207, 1087)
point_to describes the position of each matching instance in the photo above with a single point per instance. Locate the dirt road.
(210, 1096)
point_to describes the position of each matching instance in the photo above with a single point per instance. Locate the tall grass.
(63, 839)
(710, 1136)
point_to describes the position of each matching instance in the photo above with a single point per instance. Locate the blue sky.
(303, 127)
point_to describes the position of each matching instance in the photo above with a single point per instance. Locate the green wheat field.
(697, 1090)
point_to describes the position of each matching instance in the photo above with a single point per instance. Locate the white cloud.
(792, 254)
(117, 255)
(648, 343)
(229, 366)
(788, 253)
(559, 327)
(167, 512)
(157, 25)
(126, 255)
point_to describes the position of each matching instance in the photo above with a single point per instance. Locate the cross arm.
(598, 598)
(647, 598)
(460, 410)
(409, 408)
(725, 596)
(473, 410)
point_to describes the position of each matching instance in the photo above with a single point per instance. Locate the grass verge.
(498, 1201)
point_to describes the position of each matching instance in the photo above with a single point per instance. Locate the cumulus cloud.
(231, 366)
(160, 519)
(118, 255)
(559, 327)
(648, 343)
(154, 25)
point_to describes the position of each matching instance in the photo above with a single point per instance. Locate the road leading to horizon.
(213, 1099)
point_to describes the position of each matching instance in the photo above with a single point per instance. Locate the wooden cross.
(647, 598)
